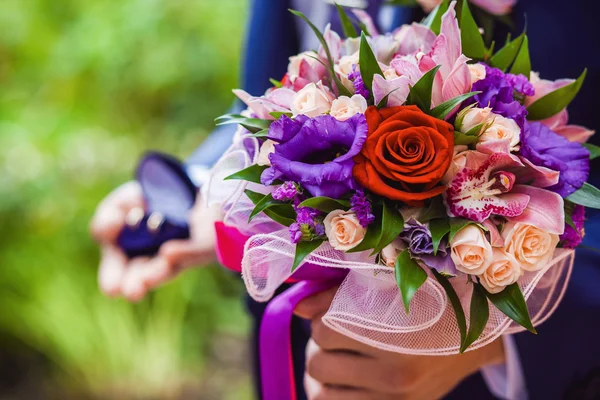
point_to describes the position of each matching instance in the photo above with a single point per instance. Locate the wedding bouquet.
(436, 178)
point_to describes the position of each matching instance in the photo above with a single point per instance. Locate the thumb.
(316, 305)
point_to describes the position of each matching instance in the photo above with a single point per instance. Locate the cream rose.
(390, 253)
(471, 251)
(503, 271)
(472, 117)
(312, 100)
(501, 128)
(343, 230)
(477, 72)
(345, 67)
(458, 162)
(532, 247)
(267, 148)
(345, 107)
(295, 62)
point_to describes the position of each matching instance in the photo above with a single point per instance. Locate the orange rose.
(406, 154)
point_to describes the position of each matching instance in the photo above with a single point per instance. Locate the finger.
(340, 369)
(111, 271)
(315, 305)
(185, 253)
(342, 393)
(111, 213)
(156, 272)
(330, 340)
(134, 287)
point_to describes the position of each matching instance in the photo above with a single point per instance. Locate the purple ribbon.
(275, 346)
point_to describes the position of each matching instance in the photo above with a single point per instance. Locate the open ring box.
(169, 194)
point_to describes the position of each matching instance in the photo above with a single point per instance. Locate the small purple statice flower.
(308, 225)
(573, 238)
(287, 191)
(362, 208)
(359, 85)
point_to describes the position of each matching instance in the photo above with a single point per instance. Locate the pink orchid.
(495, 7)
(493, 185)
(275, 100)
(559, 123)
(414, 38)
(334, 43)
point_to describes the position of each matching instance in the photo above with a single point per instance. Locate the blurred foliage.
(85, 88)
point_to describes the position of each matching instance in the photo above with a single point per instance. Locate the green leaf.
(479, 315)
(275, 83)
(436, 209)
(457, 224)
(368, 63)
(373, 233)
(340, 87)
(420, 94)
(254, 197)
(349, 30)
(461, 321)
(402, 3)
(434, 19)
(472, 41)
(512, 303)
(506, 56)
(303, 249)
(392, 224)
(278, 114)
(522, 64)
(554, 102)
(325, 204)
(461, 138)
(283, 214)
(266, 202)
(569, 209)
(438, 228)
(442, 111)
(474, 131)
(262, 134)
(252, 124)
(594, 150)
(409, 277)
(587, 195)
(250, 174)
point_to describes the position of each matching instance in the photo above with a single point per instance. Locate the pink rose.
(503, 271)
(532, 247)
(471, 251)
(343, 230)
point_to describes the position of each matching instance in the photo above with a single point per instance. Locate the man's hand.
(120, 276)
(338, 367)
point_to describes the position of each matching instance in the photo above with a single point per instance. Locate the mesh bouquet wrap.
(437, 181)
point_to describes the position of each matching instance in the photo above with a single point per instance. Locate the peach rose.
(343, 230)
(472, 117)
(471, 251)
(477, 72)
(312, 100)
(267, 148)
(345, 107)
(459, 160)
(532, 247)
(390, 253)
(503, 271)
(501, 128)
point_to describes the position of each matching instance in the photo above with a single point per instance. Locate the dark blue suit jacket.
(562, 360)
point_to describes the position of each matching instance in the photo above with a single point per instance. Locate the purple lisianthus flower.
(545, 148)
(418, 239)
(498, 92)
(287, 191)
(308, 225)
(362, 208)
(573, 237)
(316, 153)
(359, 85)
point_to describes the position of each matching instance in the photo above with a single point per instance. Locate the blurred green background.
(85, 88)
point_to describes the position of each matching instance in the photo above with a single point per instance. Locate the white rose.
(346, 64)
(343, 230)
(312, 100)
(503, 271)
(532, 247)
(345, 107)
(390, 253)
(501, 128)
(477, 72)
(471, 251)
(267, 148)
(473, 117)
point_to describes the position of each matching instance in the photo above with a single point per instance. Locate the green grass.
(85, 88)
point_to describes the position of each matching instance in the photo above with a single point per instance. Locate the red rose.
(406, 154)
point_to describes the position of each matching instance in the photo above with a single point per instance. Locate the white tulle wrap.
(368, 306)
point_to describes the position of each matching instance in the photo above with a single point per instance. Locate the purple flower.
(498, 92)
(418, 238)
(545, 148)
(308, 225)
(287, 191)
(359, 85)
(362, 208)
(316, 153)
(572, 238)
